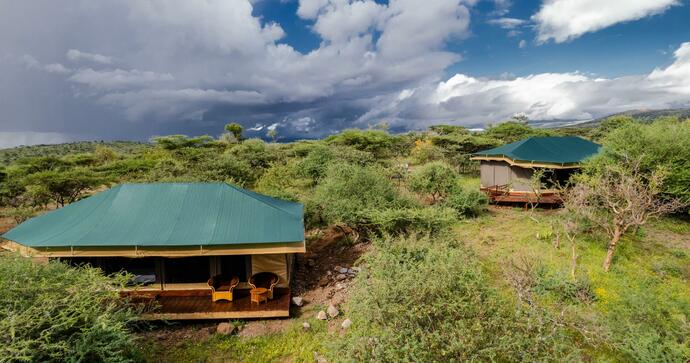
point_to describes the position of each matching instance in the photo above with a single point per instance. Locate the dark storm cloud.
(130, 69)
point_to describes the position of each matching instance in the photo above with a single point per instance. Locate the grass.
(292, 345)
(650, 276)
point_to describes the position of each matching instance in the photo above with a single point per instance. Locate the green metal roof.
(546, 149)
(165, 214)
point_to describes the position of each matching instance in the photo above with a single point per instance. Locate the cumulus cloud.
(563, 20)
(546, 96)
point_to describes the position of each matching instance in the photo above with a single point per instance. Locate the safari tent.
(197, 249)
(506, 172)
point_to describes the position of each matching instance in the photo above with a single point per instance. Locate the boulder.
(297, 301)
(225, 328)
(322, 315)
(306, 326)
(346, 323)
(341, 277)
(343, 270)
(332, 311)
(356, 269)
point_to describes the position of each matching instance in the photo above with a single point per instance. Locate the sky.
(132, 69)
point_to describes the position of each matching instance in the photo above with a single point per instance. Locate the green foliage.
(254, 152)
(658, 145)
(9, 156)
(104, 154)
(348, 192)
(65, 186)
(648, 326)
(236, 130)
(50, 312)
(425, 152)
(378, 142)
(609, 124)
(428, 300)
(401, 220)
(174, 142)
(19, 214)
(280, 181)
(316, 162)
(435, 179)
(512, 131)
(449, 130)
(466, 202)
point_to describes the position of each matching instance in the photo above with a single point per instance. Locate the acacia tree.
(619, 198)
(236, 130)
(65, 187)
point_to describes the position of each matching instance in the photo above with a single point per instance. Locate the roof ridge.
(254, 196)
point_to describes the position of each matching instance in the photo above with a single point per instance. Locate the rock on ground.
(306, 326)
(332, 311)
(297, 300)
(346, 323)
(225, 328)
(322, 315)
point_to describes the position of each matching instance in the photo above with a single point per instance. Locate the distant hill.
(9, 155)
(645, 116)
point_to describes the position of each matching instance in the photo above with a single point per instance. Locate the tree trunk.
(612, 248)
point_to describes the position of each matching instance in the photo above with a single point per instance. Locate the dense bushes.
(466, 202)
(364, 198)
(428, 300)
(50, 312)
(658, 145)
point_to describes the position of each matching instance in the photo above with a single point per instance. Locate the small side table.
(258, 295)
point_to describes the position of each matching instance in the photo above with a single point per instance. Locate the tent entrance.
(161, 273)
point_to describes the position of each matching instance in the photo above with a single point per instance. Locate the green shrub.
(378, 142)
(435, 179)
(50, 312)
(657, 145)
(466, 202)
(348, 192)
(428, 300)
(649, 326)
(425, 152)
(417, 219)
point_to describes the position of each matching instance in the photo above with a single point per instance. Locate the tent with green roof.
(177, 239)
(509, 168)
(195, 215)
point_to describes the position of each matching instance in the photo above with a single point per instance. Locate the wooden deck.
(197, 304)
(497, 195)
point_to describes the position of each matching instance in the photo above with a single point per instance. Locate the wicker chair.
(267, 280)
(222, 287)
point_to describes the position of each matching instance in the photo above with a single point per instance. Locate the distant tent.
(551, 151)
(506, 171)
